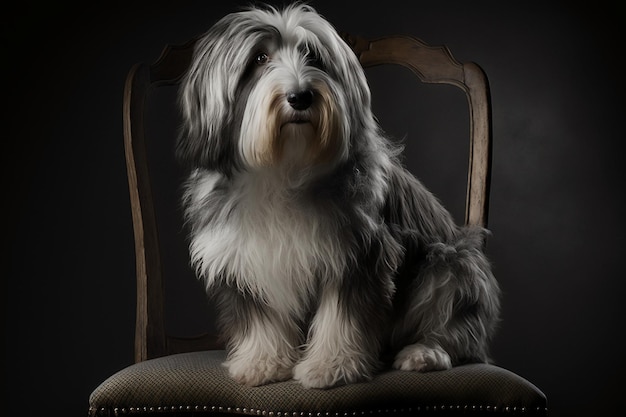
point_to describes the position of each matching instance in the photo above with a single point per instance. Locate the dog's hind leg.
(453, 308)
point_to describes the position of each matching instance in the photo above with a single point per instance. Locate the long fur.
(324, 254)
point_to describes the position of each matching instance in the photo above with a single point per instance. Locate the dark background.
(557, 202)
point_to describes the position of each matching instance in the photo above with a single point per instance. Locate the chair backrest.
(430, 64)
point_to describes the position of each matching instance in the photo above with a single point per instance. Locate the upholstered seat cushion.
(198, 383)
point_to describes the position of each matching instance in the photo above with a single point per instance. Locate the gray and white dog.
(325, 255)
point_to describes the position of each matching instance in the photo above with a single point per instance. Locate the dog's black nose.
(300, 100)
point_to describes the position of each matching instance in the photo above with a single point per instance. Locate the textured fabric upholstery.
(196, 383)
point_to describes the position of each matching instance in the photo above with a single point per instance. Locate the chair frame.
(432, 64)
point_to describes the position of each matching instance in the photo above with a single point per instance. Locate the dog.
(328, 261)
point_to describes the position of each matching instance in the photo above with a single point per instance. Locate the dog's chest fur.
(265, 240)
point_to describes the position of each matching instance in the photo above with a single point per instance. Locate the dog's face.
(271, 88)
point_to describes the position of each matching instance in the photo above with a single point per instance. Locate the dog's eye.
(261, 59)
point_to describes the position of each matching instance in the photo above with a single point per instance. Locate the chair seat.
(197, 383)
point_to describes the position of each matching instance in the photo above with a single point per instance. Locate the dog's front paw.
(329, 373)
(422, 358)
(259, 371)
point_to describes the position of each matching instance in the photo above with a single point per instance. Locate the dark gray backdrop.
(556, 209)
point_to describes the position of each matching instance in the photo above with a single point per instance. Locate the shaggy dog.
(325, 256)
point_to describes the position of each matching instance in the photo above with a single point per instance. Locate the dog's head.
(270, 87)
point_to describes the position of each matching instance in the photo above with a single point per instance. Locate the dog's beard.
(296, 143)
(275, 135)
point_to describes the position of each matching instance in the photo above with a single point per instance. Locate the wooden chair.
(183, 376)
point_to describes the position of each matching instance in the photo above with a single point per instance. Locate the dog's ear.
(353, 75)
(207, 100)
